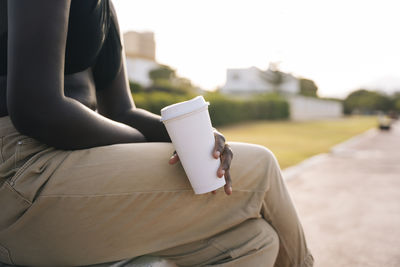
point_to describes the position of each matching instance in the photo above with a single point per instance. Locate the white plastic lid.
(182, 108)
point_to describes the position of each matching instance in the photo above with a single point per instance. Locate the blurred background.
(255, 60)
(341, 45)
(317, 82)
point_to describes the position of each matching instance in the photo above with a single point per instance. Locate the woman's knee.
(253, 166)
(253, 153)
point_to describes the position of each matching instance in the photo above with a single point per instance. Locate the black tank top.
(92, 40)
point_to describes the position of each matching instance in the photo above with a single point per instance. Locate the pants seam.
(1, 150)
(112, 195)
(15, 191)
(270, 220)
(25, 166)
(6, 253)
(133, 193)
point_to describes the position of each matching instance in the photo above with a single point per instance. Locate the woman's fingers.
(226, 160)
(219, 144)
(228, 185)
(174, 159)
(227, 156)
(224, 152)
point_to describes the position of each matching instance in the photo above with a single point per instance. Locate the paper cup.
(189, 126)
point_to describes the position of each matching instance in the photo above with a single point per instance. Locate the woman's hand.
(222, 151)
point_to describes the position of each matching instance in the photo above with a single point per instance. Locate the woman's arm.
(115, 102)
(36, 102)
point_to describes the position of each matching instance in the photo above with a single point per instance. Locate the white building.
(139, 69)
(253, 80)
(249, 81)
(310, 108)
(140, 50)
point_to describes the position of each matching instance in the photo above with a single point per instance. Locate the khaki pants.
(68, 208)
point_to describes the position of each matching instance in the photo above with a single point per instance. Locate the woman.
(84, 174)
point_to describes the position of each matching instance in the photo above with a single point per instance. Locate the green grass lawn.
(293, 142)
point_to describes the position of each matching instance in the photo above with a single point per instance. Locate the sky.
(342, 45)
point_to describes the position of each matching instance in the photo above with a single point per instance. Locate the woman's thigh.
(121, 201)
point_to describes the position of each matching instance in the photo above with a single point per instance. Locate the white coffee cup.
(189, 127)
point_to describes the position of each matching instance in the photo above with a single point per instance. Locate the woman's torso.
(79, 86)
(88, 37)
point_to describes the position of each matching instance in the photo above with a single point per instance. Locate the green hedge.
(155, 101)
(223, 110)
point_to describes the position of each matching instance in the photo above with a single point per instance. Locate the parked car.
(384, 122)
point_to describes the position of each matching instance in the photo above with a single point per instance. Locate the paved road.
(349, 202)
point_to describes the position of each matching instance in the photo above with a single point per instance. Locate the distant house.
(312, 108)
(250, 81)
(140, 50)
(253, 80)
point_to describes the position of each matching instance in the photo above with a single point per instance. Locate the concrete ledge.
(147, 261)
(143, 261)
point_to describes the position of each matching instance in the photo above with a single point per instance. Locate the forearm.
(147, 123)
(71, 125)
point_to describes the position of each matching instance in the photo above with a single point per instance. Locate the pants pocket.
(12, 206)
(25, 148)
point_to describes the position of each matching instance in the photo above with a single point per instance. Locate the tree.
(308, 87)
(164, 79)
(397, 105)
(275, 76)
(396, 101)
(135, 87)
(367, 102)
(164, 72)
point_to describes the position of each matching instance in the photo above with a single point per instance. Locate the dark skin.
(58, 109)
